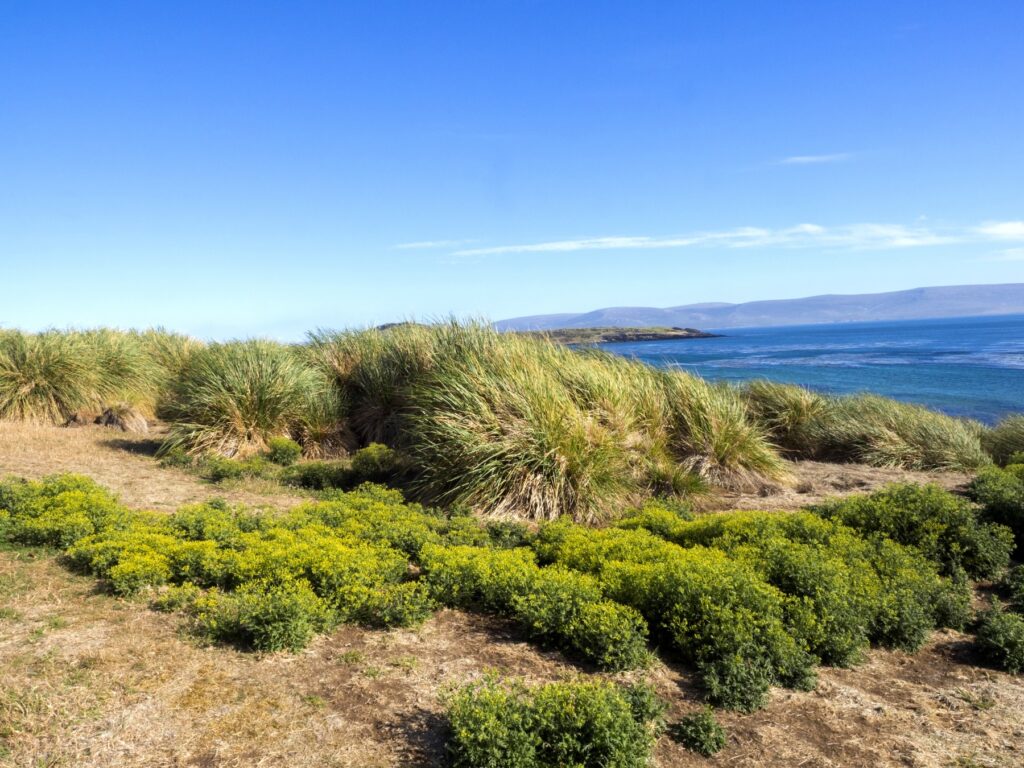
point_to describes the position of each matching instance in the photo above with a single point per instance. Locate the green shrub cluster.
(268, 581)
(1000, 639)
(842, 591)
(1000, 492)
(753, 599)
(217, 468)
(375, 463)
(943, 527)
(283, 451)
(714, 610)
(318, 475)
(58, 511)
(495, 725)
(554, 605)
(700, 732)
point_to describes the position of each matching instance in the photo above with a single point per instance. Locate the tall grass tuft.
(496, 429)
(888, 433)
(864, 428)
(1005, 439)
(792, 415)
(714, 437)
(374, 369)
(231, 398)
(128, 376)
(47, 377)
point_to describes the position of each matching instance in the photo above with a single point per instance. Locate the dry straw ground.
(87, 679)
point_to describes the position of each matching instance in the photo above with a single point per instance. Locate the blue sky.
(264, 168)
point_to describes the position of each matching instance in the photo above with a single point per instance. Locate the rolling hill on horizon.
(913, 304)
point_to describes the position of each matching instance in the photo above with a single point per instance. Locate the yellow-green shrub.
(943, 527)
(1000, 492)
(716, 611)
(59, 510)
(495, 725)
(554, 605)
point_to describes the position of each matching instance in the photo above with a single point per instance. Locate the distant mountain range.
(915, 304)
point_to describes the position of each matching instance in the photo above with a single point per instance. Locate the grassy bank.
(505, 424)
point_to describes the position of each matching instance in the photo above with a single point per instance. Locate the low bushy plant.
(714, 610)
(1015, 586)
(268, 581)
(555, 605)
(59, 510)
(1000, 639)
(283, 451)
(495, 725)
(376, 463)
(700, 732)
(944, 527)
(217, 469)
(1000, 492)
(318, 475)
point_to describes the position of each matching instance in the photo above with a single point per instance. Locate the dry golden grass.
(122, 462)
(93, 681)
(814, 481)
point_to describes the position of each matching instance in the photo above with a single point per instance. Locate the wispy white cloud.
(853, 236)
(426, 244)
(1002, 230)
(837, 157)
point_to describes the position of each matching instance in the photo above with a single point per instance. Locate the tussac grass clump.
(232, 398)
(48, 377)
(1005, 439)
(865, 428)
(506, 725)
(514, 425)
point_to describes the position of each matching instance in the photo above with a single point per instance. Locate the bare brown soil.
(87, 679)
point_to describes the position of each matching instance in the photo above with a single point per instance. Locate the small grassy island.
(605, 335)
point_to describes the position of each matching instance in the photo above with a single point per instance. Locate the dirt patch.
(123, 462)
(813, 481)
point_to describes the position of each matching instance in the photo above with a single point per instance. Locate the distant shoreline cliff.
(607, 335)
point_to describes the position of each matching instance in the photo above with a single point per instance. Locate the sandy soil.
(87, 679)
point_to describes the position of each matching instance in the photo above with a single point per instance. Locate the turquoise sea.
(971, 367)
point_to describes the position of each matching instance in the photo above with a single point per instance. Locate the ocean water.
(972, 367)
